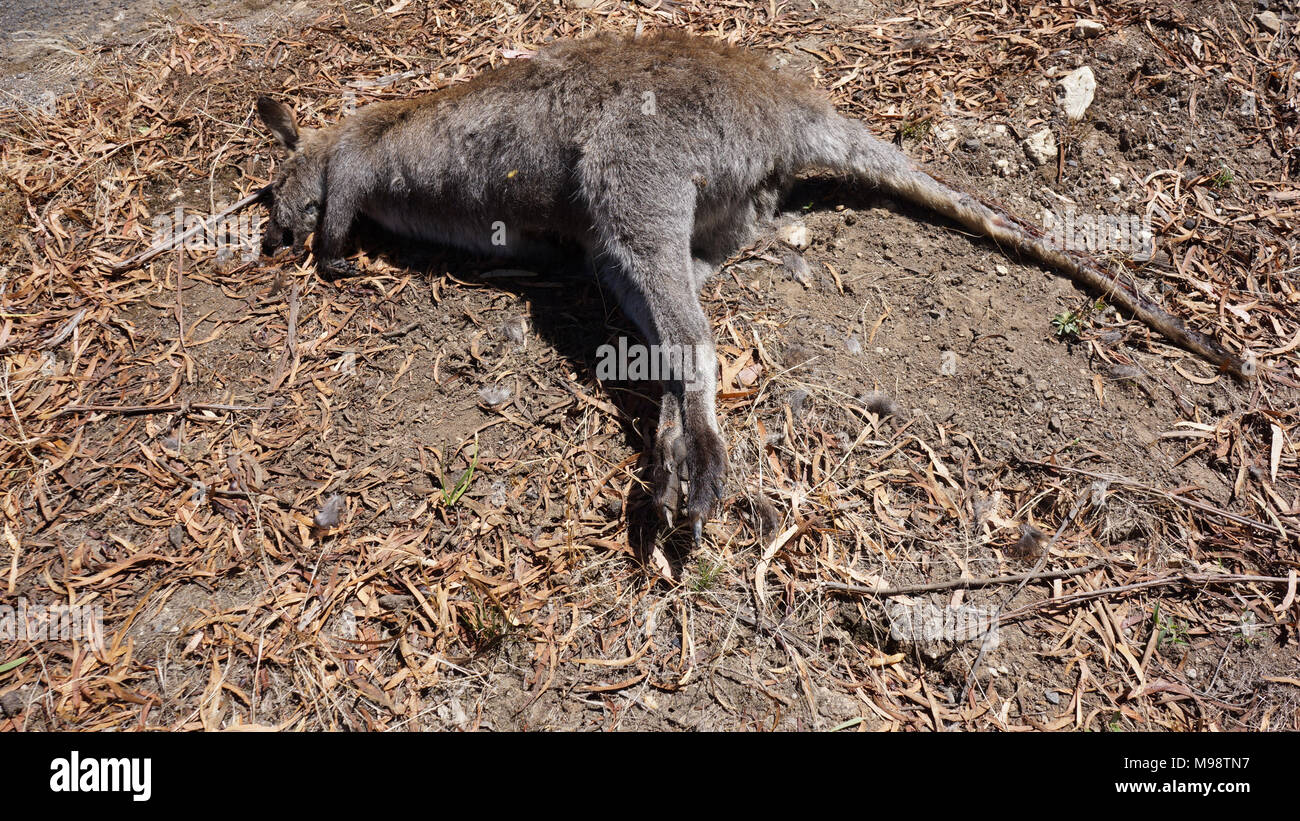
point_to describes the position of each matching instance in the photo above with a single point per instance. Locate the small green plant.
(1171, 631)
(707, 574)
(10, 665)
(1115, 726)
(1249, 629)
(1067, 325)
(486, 623)
(450, 496)
(915, 129)
(1223, 178)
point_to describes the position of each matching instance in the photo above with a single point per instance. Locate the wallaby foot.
(337, 268)
(706, 468)
(669, 466)
(698, 458)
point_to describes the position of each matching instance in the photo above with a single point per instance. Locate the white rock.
(1088, 28)
(1269, 20)
(1041, 146)
(794, 234)
(1079, 87)
(945, 132)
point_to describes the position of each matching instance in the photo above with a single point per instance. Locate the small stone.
(1052, 696)
(1054, 423)
(396, 601)
(11, 704)
(1079, 86)
(794, 234)
(971, 144)
(1041, 146)
(1269, 20)
(1088, 29)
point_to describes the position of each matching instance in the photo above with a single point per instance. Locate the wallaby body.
(659, 155)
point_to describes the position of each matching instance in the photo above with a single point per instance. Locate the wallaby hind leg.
(655, 288)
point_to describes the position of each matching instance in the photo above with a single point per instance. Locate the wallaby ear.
(279, 118)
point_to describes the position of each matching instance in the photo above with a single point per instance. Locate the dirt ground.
(404, 500)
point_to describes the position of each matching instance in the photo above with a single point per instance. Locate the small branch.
(290, 340)
(965, 584)
(1128, 483)
(57, 339)
(1164, 581)
(127, 410)
(204, 225)
(65, 331)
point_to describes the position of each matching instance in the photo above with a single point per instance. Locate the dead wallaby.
(660, 156)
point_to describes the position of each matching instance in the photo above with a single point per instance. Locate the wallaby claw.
(669, 466)
(707, 466)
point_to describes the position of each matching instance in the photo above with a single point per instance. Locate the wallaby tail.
(889, 169)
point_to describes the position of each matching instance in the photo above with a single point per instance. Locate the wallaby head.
(297, 191)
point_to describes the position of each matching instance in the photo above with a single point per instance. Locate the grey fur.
(659, 155)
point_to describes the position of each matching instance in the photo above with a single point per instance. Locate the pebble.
(1269, 20)
(1041, 146)
(794, 234)
(1079, 86)
(1088, 28)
